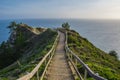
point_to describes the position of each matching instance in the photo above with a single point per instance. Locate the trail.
(59, 68)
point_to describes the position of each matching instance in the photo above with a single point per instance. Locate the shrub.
(113, 53)
(66, 25)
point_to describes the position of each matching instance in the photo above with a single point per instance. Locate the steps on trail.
(59, 68)
(59, 77)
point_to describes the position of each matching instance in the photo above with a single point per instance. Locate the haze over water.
(105, 34)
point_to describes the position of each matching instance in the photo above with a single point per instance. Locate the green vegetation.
(99, 61)
(66, 26)
(29, 51)
(12, 26)
(11, 51)
(7, 55)
(113, 53)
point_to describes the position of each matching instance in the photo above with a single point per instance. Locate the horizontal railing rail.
(48, 57)
(77, 60)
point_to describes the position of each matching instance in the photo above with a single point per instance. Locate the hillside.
(34, 47)
(99, 61)
(27, 46)
(21, 39)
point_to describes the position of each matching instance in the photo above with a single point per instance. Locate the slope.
(99, 61)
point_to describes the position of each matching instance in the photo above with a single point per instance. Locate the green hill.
(21, 39)
(27, 56)
(99, 61)
(27, 46)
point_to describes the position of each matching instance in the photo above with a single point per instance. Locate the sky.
(83, 9)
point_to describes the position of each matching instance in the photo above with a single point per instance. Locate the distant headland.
(27, 46)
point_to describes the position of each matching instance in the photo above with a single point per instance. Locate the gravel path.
(59, 68)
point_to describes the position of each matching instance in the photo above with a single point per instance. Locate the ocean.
(104, 34)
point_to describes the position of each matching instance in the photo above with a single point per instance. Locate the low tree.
(113, 53)
(66, 25)
(12, 26)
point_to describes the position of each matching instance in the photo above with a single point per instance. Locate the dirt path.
(59, 68)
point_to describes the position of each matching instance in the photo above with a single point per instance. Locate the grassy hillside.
(99, 61)
(37, 46)
(20, 40)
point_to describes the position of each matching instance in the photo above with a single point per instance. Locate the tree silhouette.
(12, 26)
(113, 53)
(66, 25)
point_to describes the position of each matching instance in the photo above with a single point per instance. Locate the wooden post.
(49, 55)
(37, 75)
(53, 52)
(76, 62)
(45, 62)
(68, 55)
(71, 56)
(18, 62)
(85, 74)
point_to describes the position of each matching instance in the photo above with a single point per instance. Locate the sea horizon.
(61, 18)
(104, 34)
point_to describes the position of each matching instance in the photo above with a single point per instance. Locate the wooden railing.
(34, 74)
(75, 60)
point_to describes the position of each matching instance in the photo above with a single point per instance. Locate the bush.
(113, 53)
(66, 25)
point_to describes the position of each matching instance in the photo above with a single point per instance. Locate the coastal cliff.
(26, 46)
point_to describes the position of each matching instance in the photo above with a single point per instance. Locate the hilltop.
(28, 32)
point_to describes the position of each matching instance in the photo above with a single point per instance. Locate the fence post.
(37, 75)
(45, 62)
(71, 56)
(50, 55)
(85, 74)
(76, 62)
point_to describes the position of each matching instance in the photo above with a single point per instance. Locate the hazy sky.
(102, 9)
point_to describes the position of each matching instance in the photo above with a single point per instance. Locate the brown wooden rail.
(74, 59)
(48, 57)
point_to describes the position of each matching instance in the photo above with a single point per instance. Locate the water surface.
(105, 34)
